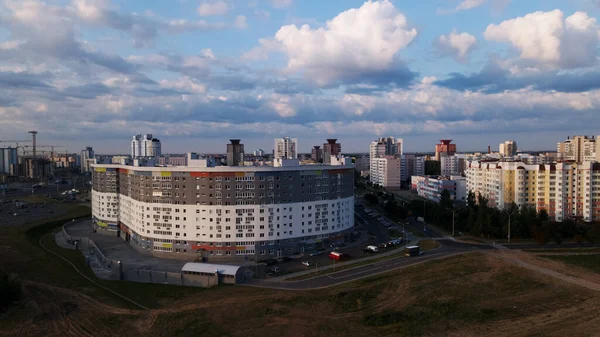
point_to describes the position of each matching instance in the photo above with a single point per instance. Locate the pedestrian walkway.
(444, 238)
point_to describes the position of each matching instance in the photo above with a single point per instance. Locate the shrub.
(11, 289)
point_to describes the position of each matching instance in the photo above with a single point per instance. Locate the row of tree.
(479, 219)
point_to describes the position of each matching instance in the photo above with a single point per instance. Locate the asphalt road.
(447, 249)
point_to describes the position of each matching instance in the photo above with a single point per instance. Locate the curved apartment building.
(224, 212)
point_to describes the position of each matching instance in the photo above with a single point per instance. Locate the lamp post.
(453, 212)
(510, 214)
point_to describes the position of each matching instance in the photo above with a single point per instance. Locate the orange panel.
(199, 174)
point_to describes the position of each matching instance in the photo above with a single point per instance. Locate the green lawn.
(565, 250)
(590, 262)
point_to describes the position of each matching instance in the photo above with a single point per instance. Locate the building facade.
(432, 187)
(331, 148)
(444, 147)
(452, 165)
(8, 161)
(235, 153)
(579, 149)
(285, 148)
(224, 212)
(564, 190)
(317, 154)
(145, 146)
(87, 157)
(385, 171)
(508, 148)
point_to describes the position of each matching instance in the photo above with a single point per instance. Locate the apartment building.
(508, 148)
(431, 187)
(385, 171)
(285, 148)
(579, 149)
(564, 190)
(224, 212)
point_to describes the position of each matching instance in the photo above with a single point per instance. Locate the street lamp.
(510, 214)
(453, 212)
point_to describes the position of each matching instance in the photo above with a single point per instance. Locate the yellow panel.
(317, 172)
(167, 245)
(239, 174)
(165, 174)
(100, 169)
(240, 247)
(102, 224)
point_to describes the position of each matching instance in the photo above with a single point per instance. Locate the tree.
(446, 199)
(471, 201)
(371, 198)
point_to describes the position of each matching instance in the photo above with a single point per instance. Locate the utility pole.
(510, 214)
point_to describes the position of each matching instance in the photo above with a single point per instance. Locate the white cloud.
(456, 45)
(210, 8)
(550, 40)
(355, 42)
(462, 6)
(184, 84)
(281, 3)
(240, 22)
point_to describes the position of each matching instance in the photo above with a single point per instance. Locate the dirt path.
(521, 259)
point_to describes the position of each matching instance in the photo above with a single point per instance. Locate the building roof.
(223, 269)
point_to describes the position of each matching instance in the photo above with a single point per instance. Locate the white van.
(374, 249)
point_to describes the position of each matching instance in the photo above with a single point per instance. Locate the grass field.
(565, 250)
(468, 295)
(590, 261)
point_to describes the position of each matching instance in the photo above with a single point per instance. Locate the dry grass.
(467, 295)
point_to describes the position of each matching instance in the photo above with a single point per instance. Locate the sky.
(196, 73)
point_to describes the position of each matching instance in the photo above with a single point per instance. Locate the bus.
(338, 256)
(413, 251)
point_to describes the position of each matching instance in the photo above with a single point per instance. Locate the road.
(448, 248)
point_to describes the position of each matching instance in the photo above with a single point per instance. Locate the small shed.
(208, 274)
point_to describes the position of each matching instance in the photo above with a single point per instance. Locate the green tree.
(446, 199)
(371, 198)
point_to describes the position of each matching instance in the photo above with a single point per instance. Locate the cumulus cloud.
(456, 45)
(208, 8)
(356, 43)
(462, 6)
(549, 39)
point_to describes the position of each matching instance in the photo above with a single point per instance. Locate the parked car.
(270, 262)
(316, 253)
(275, 270)
(372, 248)
(384, 245)
(307, 264)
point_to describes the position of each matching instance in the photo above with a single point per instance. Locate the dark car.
(270, 262)
(284, 259)
(316, 253)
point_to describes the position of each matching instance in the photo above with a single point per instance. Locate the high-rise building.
(145, 146)
(564, 190)
(87, 158)
(331, 148)
(317, 154)
(386, 147)
(385, 171)
(444, 147)
(259, 152)
(579, 149)
(285, 148)
(8, 161)
(235, 153)
(508, 148)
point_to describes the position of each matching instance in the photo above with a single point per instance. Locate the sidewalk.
(341, 264)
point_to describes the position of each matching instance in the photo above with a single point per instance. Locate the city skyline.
(88, 72)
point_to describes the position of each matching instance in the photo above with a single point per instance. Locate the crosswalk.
(444, 238)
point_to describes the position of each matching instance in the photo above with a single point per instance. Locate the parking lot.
(373, 231)
(13, 215)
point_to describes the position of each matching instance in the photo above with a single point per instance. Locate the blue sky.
(198, 72)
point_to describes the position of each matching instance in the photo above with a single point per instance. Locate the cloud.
(456, 45)
(259, 13)
(209, 8)
(240, 22)
(358, 43)
(281, 3)
(462, 6)
(549, 40)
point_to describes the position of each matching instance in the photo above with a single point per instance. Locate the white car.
(307, 264)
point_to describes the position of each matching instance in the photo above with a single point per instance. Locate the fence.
(110, 269)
